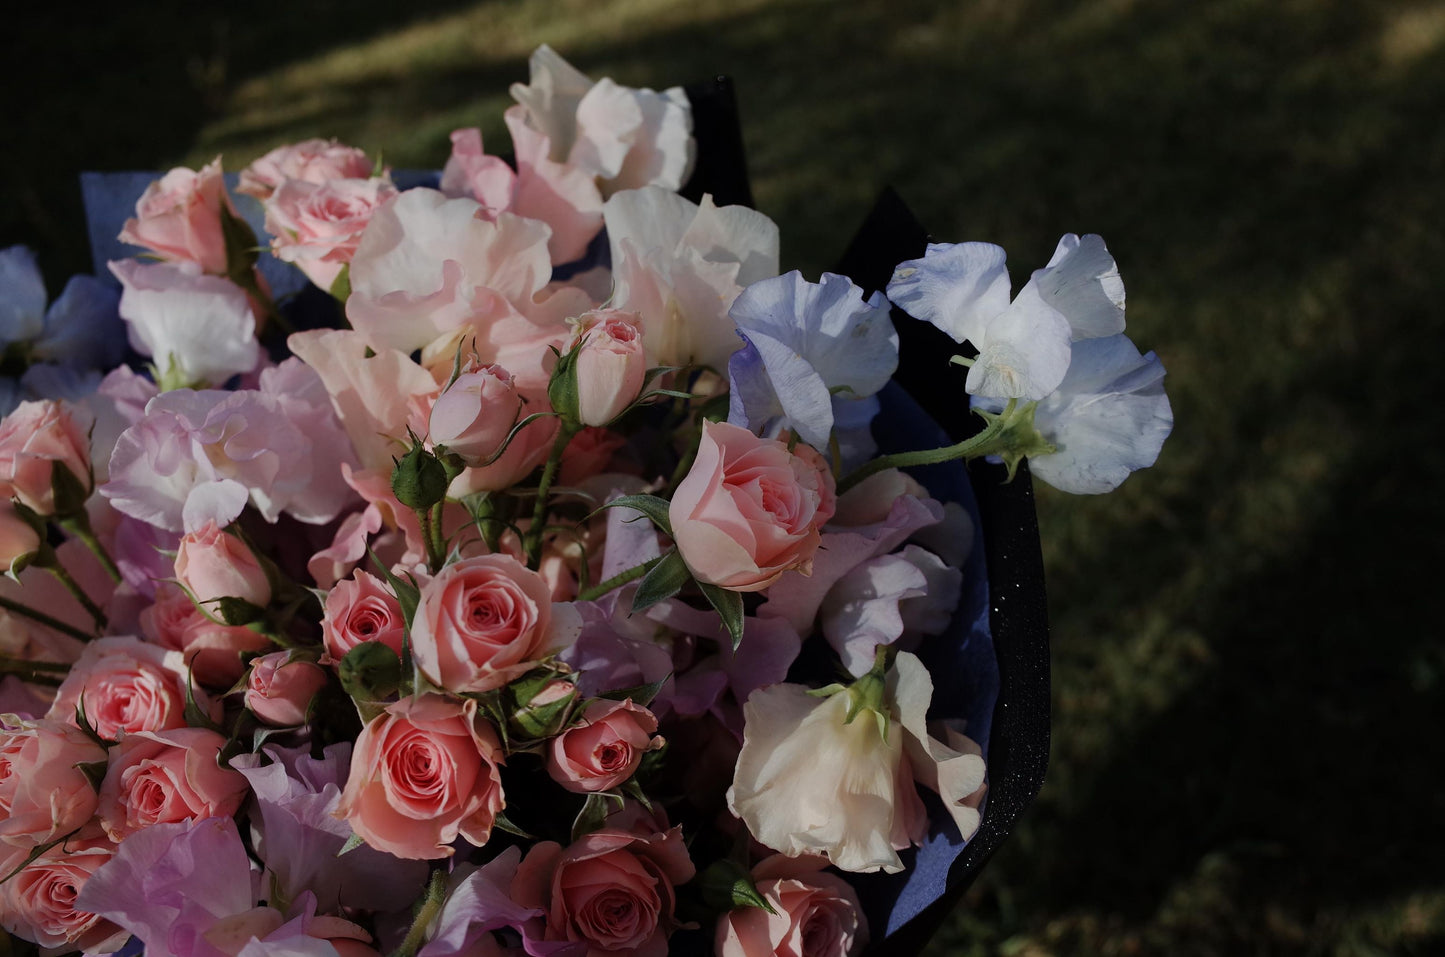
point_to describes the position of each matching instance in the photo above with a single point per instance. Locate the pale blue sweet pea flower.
(83, 327)
(808, 347)
(22, 296)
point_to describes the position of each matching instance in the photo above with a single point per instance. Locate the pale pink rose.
(604, 748)
(611, 365)
(127, 685)
(318, 226)
(472, 173)
(361, 608)
(424, 772)
(483, 621)
(18, 538)
(613, 890)
(178, 217)
(43, 792)
(214, 564)
(163, 777)
(212, 651)
(311, 161)
(749, 509)
(476, 413)
(815, 914)
(527, 451)
(279, 688)
(39, 903)
(36, 439)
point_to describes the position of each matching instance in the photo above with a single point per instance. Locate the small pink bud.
(475, 415)
(611, 366)
(213, 564)
(279, 688)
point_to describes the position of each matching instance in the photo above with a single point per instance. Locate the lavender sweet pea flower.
(1109, 417)
(885, 599)
(478, 902)
(82, 327)
(298, 838)
(809, 347)
(22, 296)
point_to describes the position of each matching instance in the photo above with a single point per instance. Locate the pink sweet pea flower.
(178, 217)
(749, 509)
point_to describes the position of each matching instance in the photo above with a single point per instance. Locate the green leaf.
(95, 771)
(503, 823)
(640, 694)
(726, 885)
(655, 507)
(238, 612)
(241, 250)
(729, 606)
(341, 285)
(664, 580)
(407, 594)
(195, 717)
(352, 843)
(593, 813)
(634, 790)
(370, 671)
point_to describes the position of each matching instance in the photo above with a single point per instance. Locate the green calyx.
(1014, 436)
(870, 692)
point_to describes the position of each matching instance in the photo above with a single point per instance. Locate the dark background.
(1249, 674)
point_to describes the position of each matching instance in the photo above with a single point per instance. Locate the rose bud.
(474, 416)
(35, 440)
(611, 367)
(18, 539)
(543, 713)
(178, 217)
(279, 688)
(212, 564)
(604, 749)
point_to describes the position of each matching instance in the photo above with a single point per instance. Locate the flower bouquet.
(515, 561)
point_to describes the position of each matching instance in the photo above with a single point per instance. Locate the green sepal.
(237, 612)
(95, 771)
(408, 595)
(655, 507)
(726, 885)
(34, 854)
(594, 813)
(632, 789)
(503, 823)
(419, 480)
(341, 286)
(640, 694)
(241, 249)
(562, 387)
(352, 843)
(662, 581)
(82, 721)
(370, 671)
(195, 717)
(729, 606)
(68, 491)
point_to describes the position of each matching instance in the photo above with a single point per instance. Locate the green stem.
(431, 906)
(44, 619)
(972, 447)
(618, 580)
(79, 526)
(431, 538)
(533, 543)
(79, 594)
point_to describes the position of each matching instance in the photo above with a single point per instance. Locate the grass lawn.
(1249, 681)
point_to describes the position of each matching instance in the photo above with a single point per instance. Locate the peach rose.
(127, 685)
(816, 914)
(317, 226)
(43, 792)
(37, 438)
(214, 564)
(749, 509)
(611, 365)
(604, 748)
(361, 608)
(211, 651)
(161, 777)
(612, 890)
(311, 161)
(474, 416)
(178, 217)
(423, 773)
(482, 622)
(279, 688)
(38, 904)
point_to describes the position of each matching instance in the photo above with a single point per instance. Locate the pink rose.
(127, 685)
(424, 772)
(18, 538)
(612, 890)
(749, 509)
(318, 226)
(474, 416)
(211, 651)
(816, 914)
(43, 792)
(611, 366)
(279, 688)
(37, 438)
(482, 622)
(528, 449)
(178, 217)
(311, 161)
(214, 564)
(361, 608)
(164, 777)
(604, 749)
(39, 903)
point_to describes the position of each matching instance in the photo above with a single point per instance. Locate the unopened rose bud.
(474, 416)
(611, 367)
(419, 480)
(214, 565)
(279, 688)
(546, 712)
(40, 442)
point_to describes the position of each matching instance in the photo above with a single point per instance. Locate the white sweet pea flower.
(198, 329)
(680, 266)
(1023, 345)
(1108, 417)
